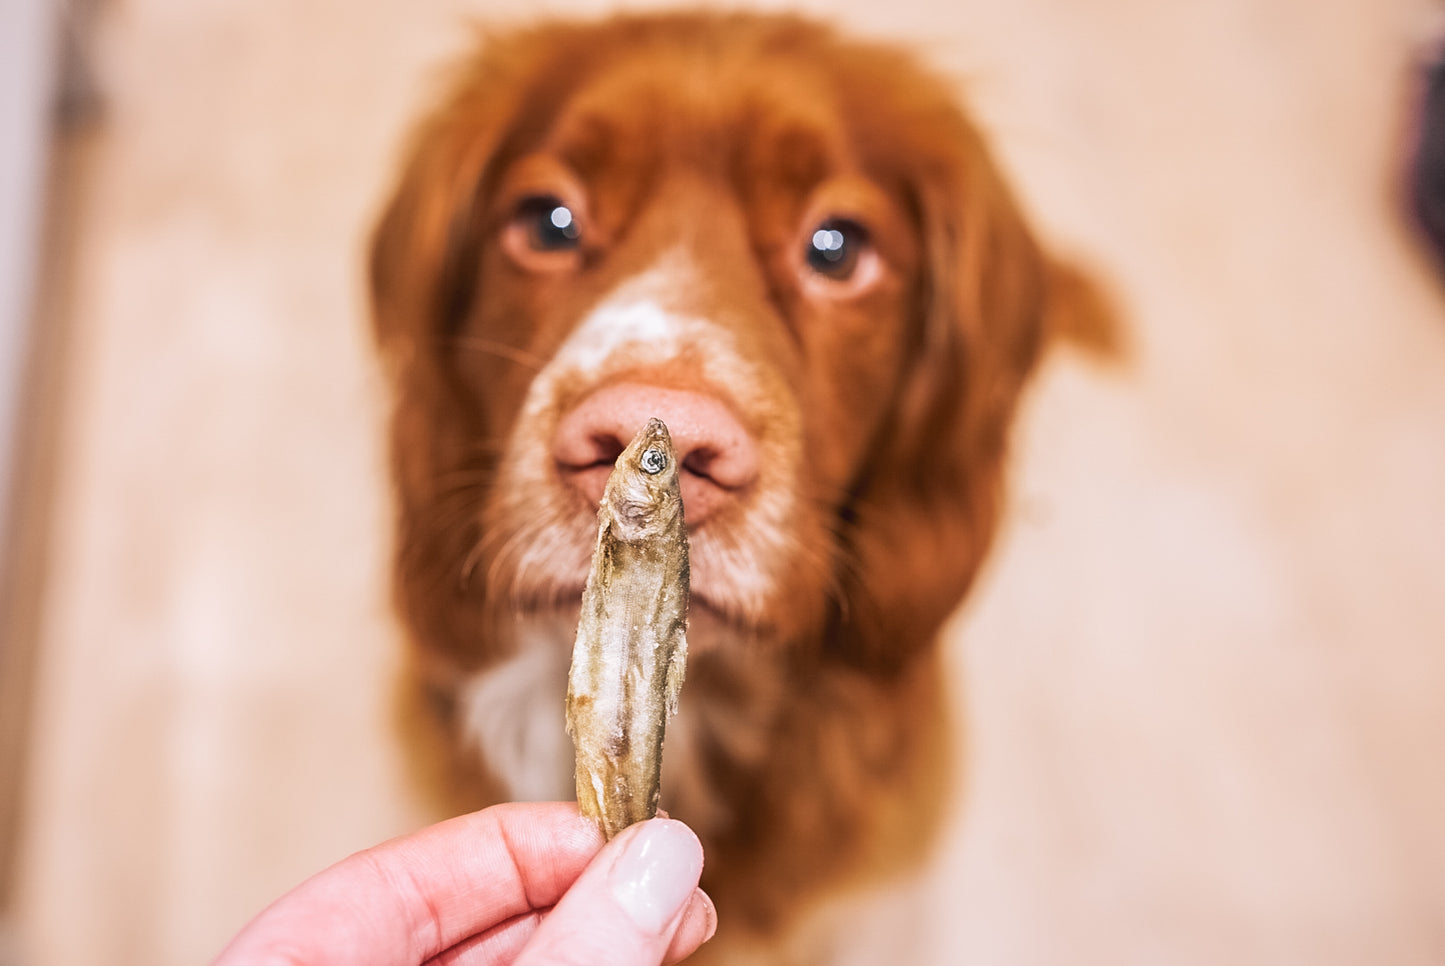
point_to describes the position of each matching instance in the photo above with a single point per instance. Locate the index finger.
(413, 897)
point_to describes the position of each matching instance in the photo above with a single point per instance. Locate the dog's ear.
(1081, 313)
(426, 244)
(425, 264)
(425, 247)
(929, 500)
(424, 259)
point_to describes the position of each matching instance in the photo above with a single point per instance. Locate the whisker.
(471, 560)
(491, 534)
(827, 563)
(464, 481)
(554, 542)
(826, 496)
(837, 562)
(508, 547)
(499, 349)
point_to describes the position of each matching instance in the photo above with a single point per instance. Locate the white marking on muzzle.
(647, 322)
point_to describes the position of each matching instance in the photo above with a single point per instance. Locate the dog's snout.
(719, 457)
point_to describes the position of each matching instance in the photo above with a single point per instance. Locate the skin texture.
(527, 884)
(627, 665)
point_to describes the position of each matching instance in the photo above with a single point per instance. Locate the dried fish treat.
(627, 664)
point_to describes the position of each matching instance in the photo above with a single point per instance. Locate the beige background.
(1205, 676)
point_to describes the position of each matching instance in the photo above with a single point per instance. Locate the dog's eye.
(835, 246)
(549, 224)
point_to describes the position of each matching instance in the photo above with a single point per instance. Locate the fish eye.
(834, 248)
(653, 461)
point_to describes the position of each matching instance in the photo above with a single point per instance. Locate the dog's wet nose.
(719, 457)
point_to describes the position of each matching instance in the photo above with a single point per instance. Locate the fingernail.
(657, 872)
(709, 912)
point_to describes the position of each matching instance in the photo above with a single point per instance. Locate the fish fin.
(676, 667)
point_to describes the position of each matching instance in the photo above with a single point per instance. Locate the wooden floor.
(1205, 675)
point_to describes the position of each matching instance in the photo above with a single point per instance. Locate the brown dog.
(796, 251)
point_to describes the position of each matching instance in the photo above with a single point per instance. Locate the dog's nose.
(719, 457)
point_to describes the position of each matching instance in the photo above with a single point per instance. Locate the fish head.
(644, 495)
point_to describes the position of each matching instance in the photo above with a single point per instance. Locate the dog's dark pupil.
(834, 246)
(553, 226)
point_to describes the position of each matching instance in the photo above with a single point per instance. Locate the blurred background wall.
(29, 70)
(1204, 677)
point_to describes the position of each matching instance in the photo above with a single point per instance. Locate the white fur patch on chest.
(514, 714)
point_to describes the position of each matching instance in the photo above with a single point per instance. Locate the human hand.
(526, 884)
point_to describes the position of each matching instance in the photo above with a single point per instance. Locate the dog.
(796, 250)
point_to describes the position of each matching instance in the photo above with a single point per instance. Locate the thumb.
(636, 904)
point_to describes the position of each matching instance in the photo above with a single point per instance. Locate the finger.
(500, 945)
(699, 922)
(497, 946)
(413, 897)
(630, 905)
